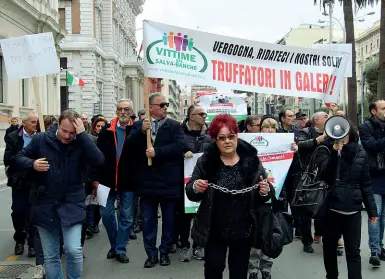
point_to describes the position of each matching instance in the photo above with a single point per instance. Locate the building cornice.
(26, 17)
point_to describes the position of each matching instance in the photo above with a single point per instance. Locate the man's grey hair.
(317, 115)
(153, 96)
(29, 115)
(124, 100)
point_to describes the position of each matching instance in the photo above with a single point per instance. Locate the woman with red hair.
(229, 182)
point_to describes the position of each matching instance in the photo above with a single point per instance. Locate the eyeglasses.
(256, 125)
(161, 105)
(202, 114)
(230, 137)
(124, 109)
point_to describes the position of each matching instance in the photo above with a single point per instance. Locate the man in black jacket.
(159, 183)
(14, 126)
(60, 158)
(372, 134)
(286, 120)
(111, 141)
(308, 139)
(17, 179)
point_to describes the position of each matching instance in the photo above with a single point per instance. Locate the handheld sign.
(30, 56)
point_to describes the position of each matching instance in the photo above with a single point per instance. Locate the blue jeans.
(50, 241)
(376, 230)
(118, 235)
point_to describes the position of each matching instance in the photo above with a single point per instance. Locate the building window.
(98, 25)
(362, 51)
(371, 46)
(378, 42)
(22, 92)
(63, 62)
(185, 112)
(1, 80)
(366, 48)
(62, 18)
(185, 102)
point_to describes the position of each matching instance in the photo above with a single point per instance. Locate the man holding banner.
(158, 184)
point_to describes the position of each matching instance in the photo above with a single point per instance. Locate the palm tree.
(350, 39)
(381, 73)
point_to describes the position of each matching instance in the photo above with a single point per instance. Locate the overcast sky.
(259, 20)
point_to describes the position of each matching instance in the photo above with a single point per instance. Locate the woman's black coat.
(354, 187)
(207, 168)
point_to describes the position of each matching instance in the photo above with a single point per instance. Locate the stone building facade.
(19, 18)
(100, 48)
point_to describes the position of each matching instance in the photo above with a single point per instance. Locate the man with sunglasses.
(160, 182)
(253, 124)
(111, 141)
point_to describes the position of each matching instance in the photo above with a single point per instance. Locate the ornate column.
(141, 94)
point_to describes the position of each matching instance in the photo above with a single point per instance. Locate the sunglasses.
(161, 105)
(229, 137)
(202, 114)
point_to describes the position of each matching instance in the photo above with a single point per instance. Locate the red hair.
(220, 121)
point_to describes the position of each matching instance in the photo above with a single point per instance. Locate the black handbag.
(275, 229)
(311, 196)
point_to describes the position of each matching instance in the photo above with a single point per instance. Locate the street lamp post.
(331, 17)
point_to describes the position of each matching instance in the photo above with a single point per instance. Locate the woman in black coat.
(225, 219)
(345, 202)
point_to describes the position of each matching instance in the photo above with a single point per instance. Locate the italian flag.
(74, 80)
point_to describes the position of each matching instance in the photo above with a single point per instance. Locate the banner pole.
(146, 103)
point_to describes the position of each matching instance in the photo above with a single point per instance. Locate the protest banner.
(189, 165)
(202, 58)
(346, 48)
(216, 103)
(31, 56)
(273, 151)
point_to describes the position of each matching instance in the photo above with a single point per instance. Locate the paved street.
(292, 264)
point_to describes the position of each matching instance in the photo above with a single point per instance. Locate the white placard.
(196, 57)
(30, 56)
(347, 48)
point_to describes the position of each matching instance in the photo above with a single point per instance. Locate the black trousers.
(350, 228)
(215, 258)
(305, 227)
(138, 216)
(38, 248)
(21, 215)
(184, 223)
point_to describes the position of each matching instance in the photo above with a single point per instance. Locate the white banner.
(189, 165)
(201, 58)
(30, 56)
(217, 103)
(347, 48)
(274, 151)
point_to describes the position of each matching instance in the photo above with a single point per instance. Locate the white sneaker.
(39, 272)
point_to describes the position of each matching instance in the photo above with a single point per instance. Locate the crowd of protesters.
(51, 174)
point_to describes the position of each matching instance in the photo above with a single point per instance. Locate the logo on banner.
(221, 101)
(177, 51)
(259, 141)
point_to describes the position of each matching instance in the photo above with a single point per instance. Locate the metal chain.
(233, 192)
